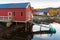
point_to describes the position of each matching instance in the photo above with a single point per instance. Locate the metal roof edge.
(28, 5)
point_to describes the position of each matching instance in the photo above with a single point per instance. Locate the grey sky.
(36, 3)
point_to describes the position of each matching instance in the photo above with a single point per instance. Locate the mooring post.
(40, 26)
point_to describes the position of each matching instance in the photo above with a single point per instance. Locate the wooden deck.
(5, 18)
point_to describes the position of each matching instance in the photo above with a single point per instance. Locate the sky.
(35, 3)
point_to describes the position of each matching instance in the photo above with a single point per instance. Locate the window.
(14, 14)
(21, 13)
(9, 13)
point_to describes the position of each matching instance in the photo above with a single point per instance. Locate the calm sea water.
(26, 36)
(55, 36)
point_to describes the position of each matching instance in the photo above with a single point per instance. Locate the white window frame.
(9, 12)
(9, 15)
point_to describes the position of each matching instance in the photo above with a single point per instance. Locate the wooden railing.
(5, 18)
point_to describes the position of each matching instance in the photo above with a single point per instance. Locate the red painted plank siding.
(29, 13)
(18, 17)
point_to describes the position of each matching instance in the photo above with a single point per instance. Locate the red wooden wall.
(18, 17)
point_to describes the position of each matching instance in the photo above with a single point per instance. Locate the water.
(26, 36)
(48, 36)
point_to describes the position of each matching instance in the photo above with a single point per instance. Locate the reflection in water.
(49, 36)
(26, 36)
(21, 36)
(30, 36)
(42, 35)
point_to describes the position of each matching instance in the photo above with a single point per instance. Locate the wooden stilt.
(16, 23)
(28, 27)
(25, 27)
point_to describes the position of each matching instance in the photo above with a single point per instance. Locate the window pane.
(14, 14)
(9, 13)
(21, 13)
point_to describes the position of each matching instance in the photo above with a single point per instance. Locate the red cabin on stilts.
(18, 12)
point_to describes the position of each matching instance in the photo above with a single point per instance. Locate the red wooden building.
(18, 12)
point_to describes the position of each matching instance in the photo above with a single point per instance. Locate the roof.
(44, 10)
(14, 5)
